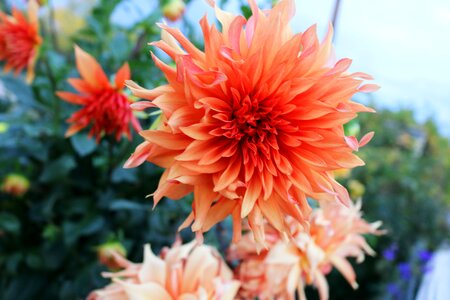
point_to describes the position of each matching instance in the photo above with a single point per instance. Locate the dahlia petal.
(352, 142)
(162, 45)
(74, 128)
(90, 69)
(366, 139)
(30, 69)
(187, 222)
(225, 19)
(195, 150)
(215, 104)
(203, 199)
(198, 131)
(329, 121)
(340, 67)
(301, 290)
(168, 71)
(141, 92)
(255, 221)
(342, 193)
(291, 209)
(142, 105)
(309, 157)
(322, 286)
(149, 290)
(71, 98)
(184, 42)
(170, 190)
(214, 153)
(152, 263)
(229, 175)
(218, 212)
(169, 103)
(267, 184)
(166, 139)
(348, 160)
(237, 224)
(206, 169)
(122, 76)
(272, 212)
(357, 107)
(33, 10)
(139, 156)
(198, 262)
(346, 269)
(368, 88)
(201, 78)
(251, 195)
(182, 117)
(361, 75)
(234, 33)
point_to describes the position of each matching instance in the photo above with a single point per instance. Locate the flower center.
(250, 119)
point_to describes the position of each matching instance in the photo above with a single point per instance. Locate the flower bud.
(108, 252)
(15, 184)
(356, 189)
(173, 9)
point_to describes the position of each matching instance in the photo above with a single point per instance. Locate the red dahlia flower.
(254, 123)
(106, 107)
(20, 40)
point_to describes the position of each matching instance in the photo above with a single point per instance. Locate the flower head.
(182, 272)
(15, 184)
(105, 106)
(20, 40)
(335, 234)
(390, 253)
(173, 9)
(254, 123)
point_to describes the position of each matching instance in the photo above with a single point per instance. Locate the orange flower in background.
(183, 272)
(20, 40)
(336, 233)
(254, 123)
(105, 106)
(15, 184)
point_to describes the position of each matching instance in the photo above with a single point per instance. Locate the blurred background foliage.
(80, 197)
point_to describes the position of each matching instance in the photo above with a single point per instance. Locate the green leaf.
(123, 204)
(92, 226)
(9, 223)
(124, 175)
(51, 232)
(58, 169)
(82, 144)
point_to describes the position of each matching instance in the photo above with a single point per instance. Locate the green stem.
(111, 163)
(52, 26)
(54, 87)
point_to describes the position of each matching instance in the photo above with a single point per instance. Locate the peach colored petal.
(122, 76)
(89, 69)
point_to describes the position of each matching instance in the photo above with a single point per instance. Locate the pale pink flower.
(183, 272)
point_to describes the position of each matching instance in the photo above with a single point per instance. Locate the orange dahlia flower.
(336, 233)
(20, 40)
(254, 123)
(105, 106)
(184, 272)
